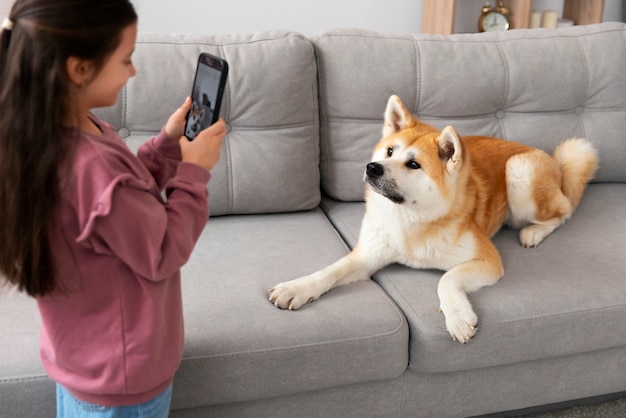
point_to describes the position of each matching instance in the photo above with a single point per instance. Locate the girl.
(84, 227)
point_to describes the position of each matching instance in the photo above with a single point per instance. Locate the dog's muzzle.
(375, 177)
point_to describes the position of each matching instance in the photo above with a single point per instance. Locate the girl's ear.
(78, 70)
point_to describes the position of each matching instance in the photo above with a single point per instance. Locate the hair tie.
(7, 24)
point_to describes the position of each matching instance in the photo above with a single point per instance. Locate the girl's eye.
(413, 165)
(389, 152)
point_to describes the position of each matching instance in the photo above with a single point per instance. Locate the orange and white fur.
(434, 199)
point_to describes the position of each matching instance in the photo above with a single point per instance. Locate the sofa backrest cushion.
(536, 86)
(270, 157)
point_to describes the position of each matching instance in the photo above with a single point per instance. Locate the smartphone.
(206, 94)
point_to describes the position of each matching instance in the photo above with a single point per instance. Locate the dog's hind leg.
(544, 190)
(468, 277)
(537, 204)
(359, 264)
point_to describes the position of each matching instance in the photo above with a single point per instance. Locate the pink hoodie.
(113, 335)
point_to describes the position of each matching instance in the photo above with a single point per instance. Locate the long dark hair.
(35, 103)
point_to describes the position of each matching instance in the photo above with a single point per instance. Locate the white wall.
(5, 6)
(312, 16)
(308, 17)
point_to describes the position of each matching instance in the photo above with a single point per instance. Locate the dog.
(194, 120)
(434, 200)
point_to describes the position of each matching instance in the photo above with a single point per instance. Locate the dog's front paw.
(461, 321)
(462, 328)
(293, 294)
(532, 235)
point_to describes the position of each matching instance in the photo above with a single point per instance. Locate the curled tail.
(578, 160)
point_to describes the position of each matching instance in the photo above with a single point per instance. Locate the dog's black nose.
(374, 170)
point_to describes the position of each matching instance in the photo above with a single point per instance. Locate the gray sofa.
(286, 200)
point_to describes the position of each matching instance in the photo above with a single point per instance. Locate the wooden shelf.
(584, 12)
(438, 15)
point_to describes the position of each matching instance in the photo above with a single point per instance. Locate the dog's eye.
(389, 152)
(413, 165)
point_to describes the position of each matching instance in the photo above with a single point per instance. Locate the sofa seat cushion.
(240, 347)
(565, 297)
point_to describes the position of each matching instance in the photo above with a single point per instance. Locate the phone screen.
(206, 94)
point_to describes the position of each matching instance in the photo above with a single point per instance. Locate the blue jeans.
(70, 407)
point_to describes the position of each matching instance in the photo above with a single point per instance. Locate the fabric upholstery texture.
(239, 346)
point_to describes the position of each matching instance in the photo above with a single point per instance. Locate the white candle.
(549, 19)
(535, 20)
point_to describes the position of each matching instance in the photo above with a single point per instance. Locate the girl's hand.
(204, 150)
(176, 123)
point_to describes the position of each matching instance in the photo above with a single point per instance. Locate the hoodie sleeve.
(153, 238)
(161, 156)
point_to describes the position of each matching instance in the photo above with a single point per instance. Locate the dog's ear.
(450, 149)
(397, 117)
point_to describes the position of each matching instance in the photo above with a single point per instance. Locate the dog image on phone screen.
(434, 200)
(194, 120)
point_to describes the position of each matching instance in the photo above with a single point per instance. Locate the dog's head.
(196, 114)
(415, 164)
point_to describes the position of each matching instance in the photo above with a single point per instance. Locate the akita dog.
(434, 199)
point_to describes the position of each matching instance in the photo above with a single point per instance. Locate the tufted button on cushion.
(123, 132)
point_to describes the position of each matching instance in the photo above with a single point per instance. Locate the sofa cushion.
(562, 298)
(25, 389)
(240, 347)
(270, 156)
(538, 87)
